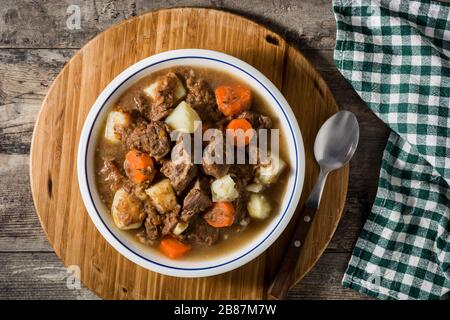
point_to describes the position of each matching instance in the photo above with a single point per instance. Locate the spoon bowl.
(336, 141)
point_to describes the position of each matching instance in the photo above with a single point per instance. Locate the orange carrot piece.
(233, 99)
(238, 127)
(173, 248)
(138, 166)
(221, 215)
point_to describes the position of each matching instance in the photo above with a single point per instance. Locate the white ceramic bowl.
(151, 259)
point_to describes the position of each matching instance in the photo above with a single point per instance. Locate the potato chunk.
(126, 210)
(255, 187)
(162, 196)
(180, 228)
(224, 189)
(115, 121)
(258, 206)
(270, 169)
(183, 118)
(152, 90)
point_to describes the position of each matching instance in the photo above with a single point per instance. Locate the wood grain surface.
(54, 147)
(34, 46)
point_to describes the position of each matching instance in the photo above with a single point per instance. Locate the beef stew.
(184, 208)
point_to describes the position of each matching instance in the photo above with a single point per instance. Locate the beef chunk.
(257, 120)
(197, 200)
(152, 138)
(142, 238)
(244, 172)
(265, 122)
(158, 225)
(153, 217)
(202, 183)
(215, 170)
(201, 97)
(140, 104)
(165, 98)
(114, 177)
(209, 167)
(151, 231)
(169, 221)
(242, 218)
(180, 169)
(152, 224)
(180, 174)
(200, 232)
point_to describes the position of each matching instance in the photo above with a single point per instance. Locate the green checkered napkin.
(396, 55)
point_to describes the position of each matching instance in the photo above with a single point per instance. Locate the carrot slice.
(233, 99)
(221, 215)
(138, 166)
(237, 127)
(173, 248)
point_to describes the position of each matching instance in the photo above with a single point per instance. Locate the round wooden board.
(55, 141)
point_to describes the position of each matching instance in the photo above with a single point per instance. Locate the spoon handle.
(284, 277)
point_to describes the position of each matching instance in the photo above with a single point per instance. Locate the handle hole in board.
(272, 40)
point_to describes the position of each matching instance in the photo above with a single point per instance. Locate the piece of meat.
(157, 225)
(180, 174)
(244, 172)
(142, 238)
(169, 221)
(114, 177)
(199, 94)
(165, 98)
(257, 120)
(242, 218)
(152, 232)
(197, 200)
(203, 183)
(141, 104)
(136, 120)
(153, 217)
(265, 122)
(152, 138)
(180, 169)
(199, 232)
(201, 97)
(217, 170)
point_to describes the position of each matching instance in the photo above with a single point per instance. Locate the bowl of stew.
(191, 163)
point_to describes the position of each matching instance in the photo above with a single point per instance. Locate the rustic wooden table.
(35, 43)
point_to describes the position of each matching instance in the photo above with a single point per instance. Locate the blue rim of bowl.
(290, 197)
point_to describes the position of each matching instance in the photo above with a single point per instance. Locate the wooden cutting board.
(55, 141)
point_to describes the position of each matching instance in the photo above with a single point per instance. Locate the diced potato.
(180, 228)
(180, 91)
(126, 211)
(183, 118)
(115, 120)
(151, 90)
(255, 187)
(162, 196)
(258, 206)
(224, 189)
(269, 170)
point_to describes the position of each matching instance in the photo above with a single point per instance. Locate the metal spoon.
(335, 144)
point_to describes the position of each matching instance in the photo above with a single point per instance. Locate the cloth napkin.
(395, 54)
